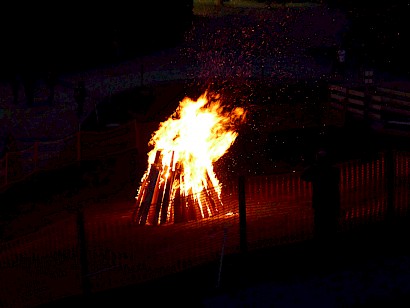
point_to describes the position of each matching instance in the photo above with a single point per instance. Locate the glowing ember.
(180, 183)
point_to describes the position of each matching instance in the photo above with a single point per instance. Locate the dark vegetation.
(76, 35)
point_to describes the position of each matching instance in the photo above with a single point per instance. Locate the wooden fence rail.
(387, 108)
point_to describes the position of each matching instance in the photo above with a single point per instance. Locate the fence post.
(142, 74)
(6, 174)
(82, 244)
(78, 146)
(345, 106)
(242, 215)
(368, 97)
(35, 155)
(389, 176)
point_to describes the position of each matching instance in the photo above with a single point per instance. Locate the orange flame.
(195, 136)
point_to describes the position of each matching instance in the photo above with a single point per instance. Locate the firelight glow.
(185, 148)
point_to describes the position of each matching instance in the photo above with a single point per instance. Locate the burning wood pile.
(180, 183)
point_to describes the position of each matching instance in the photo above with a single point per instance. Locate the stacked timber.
(162, 197)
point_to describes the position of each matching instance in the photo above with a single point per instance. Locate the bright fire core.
(180, 183)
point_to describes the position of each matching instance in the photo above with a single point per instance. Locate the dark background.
(69, 35)
(379, 32)
(77, 35)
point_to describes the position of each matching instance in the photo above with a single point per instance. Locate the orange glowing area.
(180, 183)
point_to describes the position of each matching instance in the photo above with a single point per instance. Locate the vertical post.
(367, 104)
(142, 75)
(389, 170)
(78, 146)
(242, 215)
(345, 106)
(35, 155)
(82, 244)
(6, 175)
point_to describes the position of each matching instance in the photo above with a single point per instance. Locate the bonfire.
(180, 183)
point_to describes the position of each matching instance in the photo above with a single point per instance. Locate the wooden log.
(186, 212)
(152, 217)
(205, 203)
(177, 202)
(153, 214)
(211, 207)
(213, 195)
(159, 196)
(166, 199)
(191, 207)
(140, 196)
(145, 205)
(152, 182)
